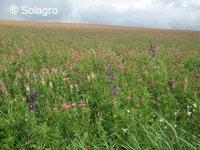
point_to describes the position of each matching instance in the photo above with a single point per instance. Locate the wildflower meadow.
(77, 86)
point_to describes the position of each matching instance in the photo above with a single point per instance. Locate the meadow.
(78, 86)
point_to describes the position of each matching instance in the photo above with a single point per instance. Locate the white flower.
(23, 98)
(125, 130)
(189, 113)
(43, 82)
(88, 77)
(128, 111)
(175, 113)
(195, 105)
(77, 88)
(161, 119)
(50, 84)
(93, 76)
(28, 89)
(71, 88)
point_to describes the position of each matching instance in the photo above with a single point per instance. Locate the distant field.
(79, 86)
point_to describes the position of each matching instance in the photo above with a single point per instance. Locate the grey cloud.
(181, 14)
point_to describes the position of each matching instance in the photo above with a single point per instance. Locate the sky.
(167, 14)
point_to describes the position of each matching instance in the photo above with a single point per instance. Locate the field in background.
(76, 86)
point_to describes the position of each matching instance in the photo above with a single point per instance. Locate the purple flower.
(114, 90)
(33, 94)
(112, 77)
(33, 100)
(153, 49)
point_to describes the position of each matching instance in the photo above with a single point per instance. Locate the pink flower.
(129, 98)
(194, 116)
(82, 105)
(68, 106)
(114, 102)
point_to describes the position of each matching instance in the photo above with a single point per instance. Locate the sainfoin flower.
(153, 49)
(114, 102)
(82, 105)
(68, 106)
(129, 98)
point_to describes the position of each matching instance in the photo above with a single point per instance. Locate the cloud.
(181, 14)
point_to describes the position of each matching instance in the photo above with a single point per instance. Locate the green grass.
(119, 96)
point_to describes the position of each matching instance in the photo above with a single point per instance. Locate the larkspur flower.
(32, 101)
(33, 94)
(112, 77)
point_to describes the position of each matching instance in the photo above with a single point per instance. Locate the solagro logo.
(25, 10)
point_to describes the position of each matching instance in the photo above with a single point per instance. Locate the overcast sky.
(178, 14)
